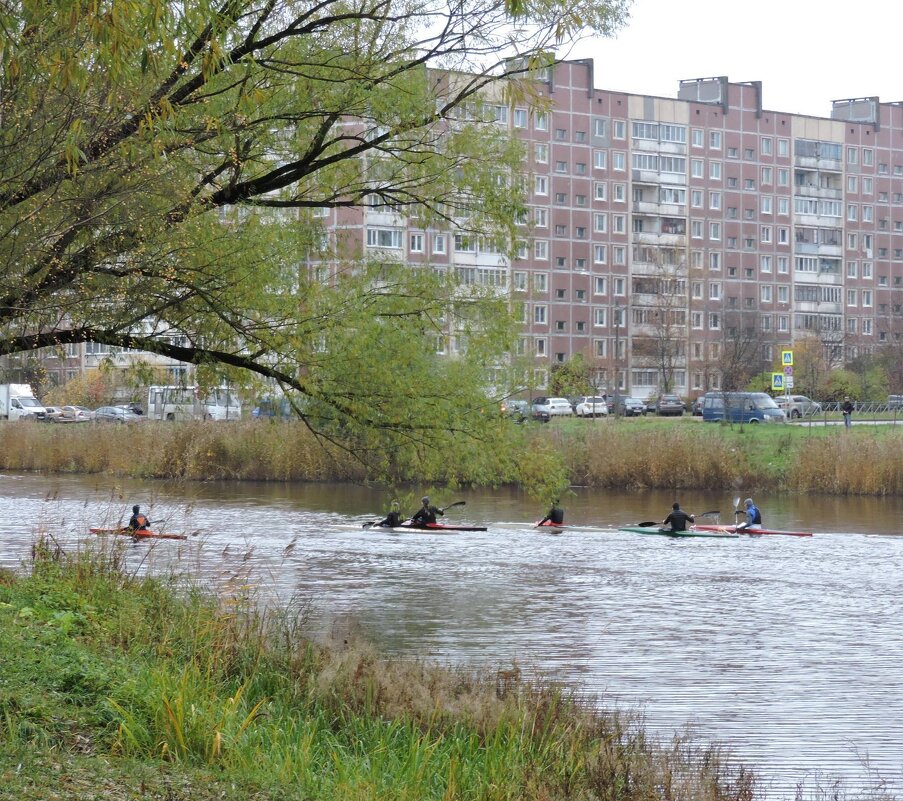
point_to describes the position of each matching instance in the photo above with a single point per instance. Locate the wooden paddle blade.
(647, 524)
(713, 513)
(456, 503)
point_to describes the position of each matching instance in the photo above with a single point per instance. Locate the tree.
(165, 168)
(660, 312)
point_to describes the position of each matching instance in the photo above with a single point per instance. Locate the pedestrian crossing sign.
(777, 382)
(787, 358)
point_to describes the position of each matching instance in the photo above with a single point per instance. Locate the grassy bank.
(621, 454)
(116, 687)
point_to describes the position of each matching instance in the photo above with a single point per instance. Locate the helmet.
(425, 500)
(395, 506)
(748, 502)
(136, 509)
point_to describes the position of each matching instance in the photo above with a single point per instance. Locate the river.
(786, 649)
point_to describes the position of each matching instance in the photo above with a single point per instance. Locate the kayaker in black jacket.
(555, 515)
(394, 518)
(426, 513)
(678, 518)
(137, 522)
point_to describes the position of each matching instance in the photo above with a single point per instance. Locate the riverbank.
(118, 687)
(614, 454)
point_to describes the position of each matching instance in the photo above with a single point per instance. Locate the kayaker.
(753, 517)
(394, 518)
(426, 513)
(555, 515)
(678, 518)
(137, 522)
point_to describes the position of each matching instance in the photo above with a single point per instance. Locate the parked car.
(796, 406)
(51, 413)
(518, 410)
(116, 414)
(73, 414)
(591, 406)
(669, 405)
(632, 407)
(544, 409)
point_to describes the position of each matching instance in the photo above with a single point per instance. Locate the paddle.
(456, 503)
(443, 510)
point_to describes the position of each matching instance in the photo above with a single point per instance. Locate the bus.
(187, 403)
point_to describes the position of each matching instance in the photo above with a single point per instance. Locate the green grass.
(116, 687)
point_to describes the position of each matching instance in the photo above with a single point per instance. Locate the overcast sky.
(805, 53)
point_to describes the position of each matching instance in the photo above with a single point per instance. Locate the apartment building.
(669, 238)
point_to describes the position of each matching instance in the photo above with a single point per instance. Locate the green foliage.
(571, 378)
(191, 696)
(164, 186)
(840, 383)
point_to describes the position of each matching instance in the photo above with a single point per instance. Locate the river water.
(788, 650)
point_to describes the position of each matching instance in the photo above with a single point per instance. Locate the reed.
(137, 672)
(624, 454)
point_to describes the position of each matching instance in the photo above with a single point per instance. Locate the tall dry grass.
(866, 464)
(668, 458)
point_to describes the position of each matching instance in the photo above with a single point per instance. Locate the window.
(749, 154)
(715, 170)
(868, 186)
(619, 255)
(749, 184)
(697, 137)
(851, 212)
(867, 298)
(384, 238)
(540, 314)
(766, 294)
(561, 230)
(852, 155)
(715, 261)
(783, 294)
(619, 129)
(766, 175)
(416, 243)
(600, 190)
(520, 118)
(765, 234)
(519, 280)
(599, 285)
(715, 231)
(541, 121)
(579, 136)
(465, 243)
(600, 223)
(619, 290)
(696, 168)
(783, 177)
(696, 198)
(715, 140)
(619, 224)
(541, 249)
(783, 206)
(541, 282)
(541, 185)
(618, 160)
(765, 145)
(852, 183)
(765, 204)
(580, 232)
(714, 291)
(541, 347)
(601, 349)
(765, 264)
(714, 325)
(599, 254)
(600, 317)
(868, 157)
(851, 297)
(561, 166)
(541, 153)
(620, 193)
(867, 213)
(715, 201)
(696, 229)
(599, 126)
(783, 147)
(439, 244)
(580, 200)
(852, 269)
(599, 159)
(696, 319)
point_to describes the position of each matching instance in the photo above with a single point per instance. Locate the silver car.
(796, 406)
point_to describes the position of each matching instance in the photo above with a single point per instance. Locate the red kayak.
(555, 528)
(754, 532)
(139, 535)
(438, 527)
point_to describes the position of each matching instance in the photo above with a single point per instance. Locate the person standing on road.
(847, 408)
(678, 518)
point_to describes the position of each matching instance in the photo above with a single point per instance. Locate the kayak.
(438, 527)
(666, 532)
(550, 527)
(139, 535)
(755, 532)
